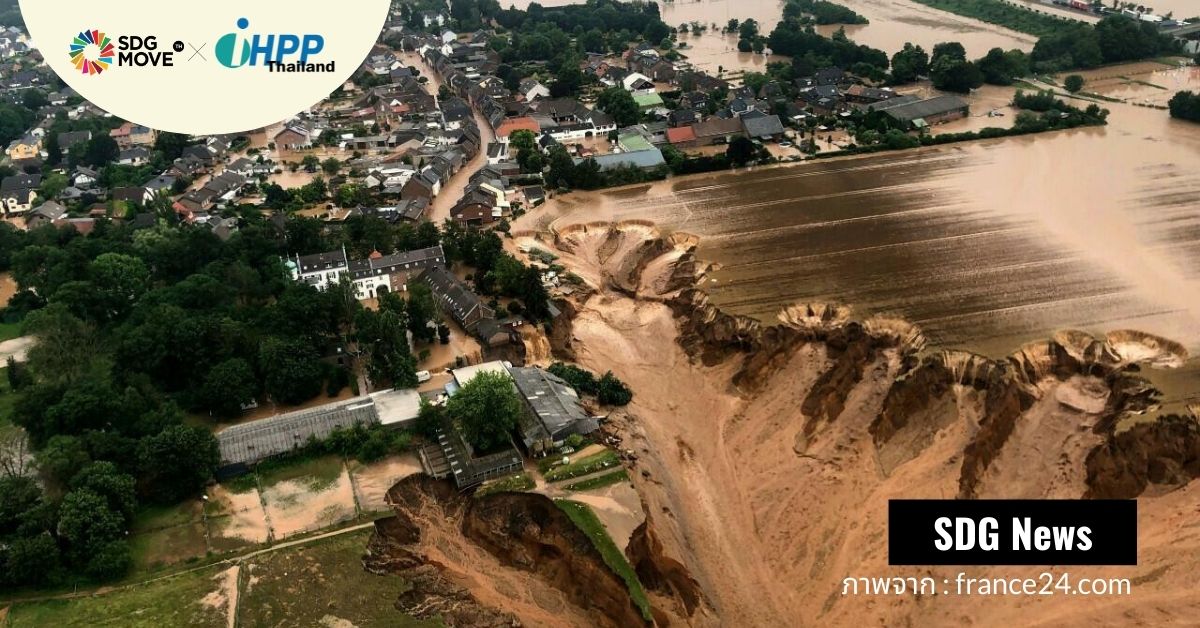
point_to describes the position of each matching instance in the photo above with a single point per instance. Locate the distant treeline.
(822, 12)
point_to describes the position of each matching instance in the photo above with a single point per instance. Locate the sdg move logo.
(282, 52)
(91, 52)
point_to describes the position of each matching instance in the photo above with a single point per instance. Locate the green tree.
(120, 280)
(32, 559)
(62, 457)
(292, 370)
(101, 151)
(619, 104)
(1073, 83)
(310, 163)
(612, 391)
(740, 151)
(487, 408)
(1002, 68)
(87, 523)
(955, 75)
(331, 166)
(118, 489)
(228, 386)
(421, 310)
(178, 461)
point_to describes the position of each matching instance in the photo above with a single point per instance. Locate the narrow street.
(452, 189)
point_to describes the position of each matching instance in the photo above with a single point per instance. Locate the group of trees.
(802, 42)
(496, 272)
(1114, 39)
(1185, 106)
(136, 327)
(607, 389)
(487, 410)
(821, 12)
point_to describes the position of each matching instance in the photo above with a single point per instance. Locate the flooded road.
(985, 245)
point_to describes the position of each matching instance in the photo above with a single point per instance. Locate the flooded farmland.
(893, 22)
(985, 245)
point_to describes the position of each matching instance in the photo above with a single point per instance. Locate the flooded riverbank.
(985, 245)
(892, 23)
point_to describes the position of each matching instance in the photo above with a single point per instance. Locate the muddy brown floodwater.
(984, 245)
(893, 22)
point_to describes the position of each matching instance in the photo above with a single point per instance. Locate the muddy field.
(772, 474)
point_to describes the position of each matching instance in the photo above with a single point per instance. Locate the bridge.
(1183, 31)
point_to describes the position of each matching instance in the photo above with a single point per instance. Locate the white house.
(638, 83)
(372, 277)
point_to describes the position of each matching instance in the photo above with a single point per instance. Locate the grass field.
(319, 473)
(510, 484)
(7, 399)
(8, 331)
(320, 584)
(583, 466)
(586, 520)
(175, 601)
(599, 481)
(166, 535)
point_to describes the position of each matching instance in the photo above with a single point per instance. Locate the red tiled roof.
(681, 134)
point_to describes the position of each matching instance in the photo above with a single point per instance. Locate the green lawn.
(599, 481)
(167, 535)
(175, 601)
(510, 484)
(7, 400)
(586, 520)
(8, 331)
(320, 473)
(584, 466)
(322, 583)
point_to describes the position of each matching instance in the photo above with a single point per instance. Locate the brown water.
(985, 245)
(893, 22)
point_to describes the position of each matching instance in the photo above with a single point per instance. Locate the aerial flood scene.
(618, 313)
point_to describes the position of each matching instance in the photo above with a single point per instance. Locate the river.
(985, 245)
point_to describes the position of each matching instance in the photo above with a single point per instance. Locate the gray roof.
(556, 413)
(451, 293)
(323, 261)
(907, 112)
(250, 442)
(649, 158)
(406, 260)
(763, 126)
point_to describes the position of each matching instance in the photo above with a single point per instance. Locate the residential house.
(456, 299)
(294, 137)
(924, 113)
(130, 134)
(380, 274)
(531, 89)
(44, 214)
(717, 131)
(682, 137)
(643, 159)
(134, 156)
(766, 127)
(71, 138)
(552, 410)
(83, 177)
(27, 147)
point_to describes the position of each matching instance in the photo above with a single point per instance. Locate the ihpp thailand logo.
(278, 52)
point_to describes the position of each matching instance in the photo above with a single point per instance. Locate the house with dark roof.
(552, 411)
(767, 127)
(718, 131)
(456, 299)
(923, 113)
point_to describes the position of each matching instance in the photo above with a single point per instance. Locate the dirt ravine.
(766, 453)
